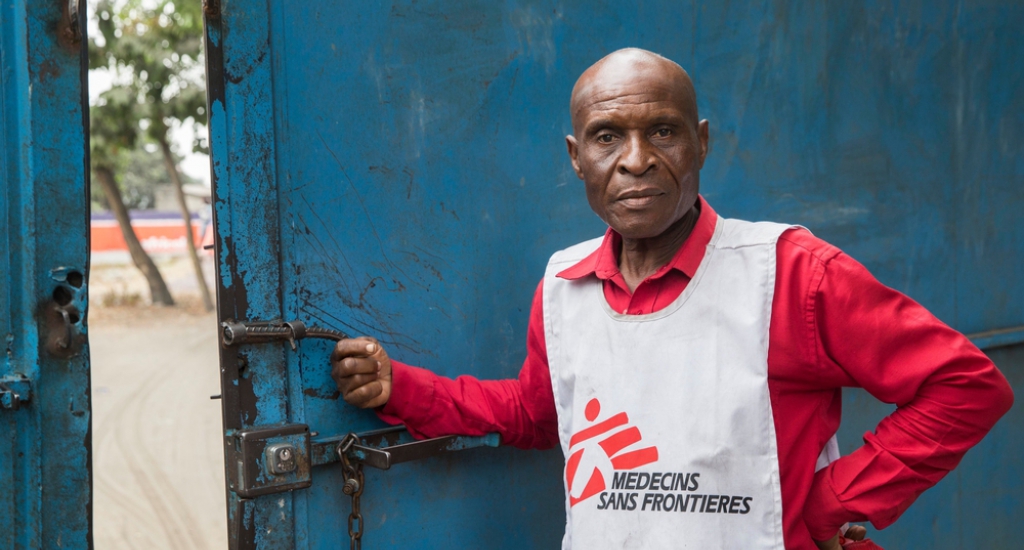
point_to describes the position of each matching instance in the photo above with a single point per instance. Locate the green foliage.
(153, 50)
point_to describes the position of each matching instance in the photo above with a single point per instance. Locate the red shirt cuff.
(823, 513)
(412, 392)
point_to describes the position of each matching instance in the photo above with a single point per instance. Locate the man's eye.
(663, 132)
(605, 138)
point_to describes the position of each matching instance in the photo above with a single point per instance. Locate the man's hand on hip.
(855, 533)
(362, 370)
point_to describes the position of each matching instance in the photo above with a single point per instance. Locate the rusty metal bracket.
(234, 333)
(211, 8)
(386, 447)
(72, 27)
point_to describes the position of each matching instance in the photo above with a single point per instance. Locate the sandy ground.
(157, 456)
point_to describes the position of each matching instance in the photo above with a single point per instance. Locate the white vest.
(665, 419)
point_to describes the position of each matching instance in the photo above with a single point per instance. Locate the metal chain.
(353, 474)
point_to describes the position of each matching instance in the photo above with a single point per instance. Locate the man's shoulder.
(798, 241)
(792, 240)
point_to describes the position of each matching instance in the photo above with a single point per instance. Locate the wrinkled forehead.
(632, 82)
(630, 92)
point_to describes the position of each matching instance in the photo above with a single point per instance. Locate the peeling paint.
(45, 446)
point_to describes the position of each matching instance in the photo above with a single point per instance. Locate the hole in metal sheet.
(75, 279)
(62, 296)
(74, 317)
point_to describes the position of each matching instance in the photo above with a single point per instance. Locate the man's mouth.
(639, 198)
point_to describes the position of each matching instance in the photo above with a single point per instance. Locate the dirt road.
(157, 456)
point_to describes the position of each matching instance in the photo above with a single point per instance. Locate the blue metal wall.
(45, 443)
(398, 169)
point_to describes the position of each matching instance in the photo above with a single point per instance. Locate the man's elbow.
(1002, 396)
(996, 394)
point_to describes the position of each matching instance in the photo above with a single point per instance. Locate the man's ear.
(574, 154)
(702, 135)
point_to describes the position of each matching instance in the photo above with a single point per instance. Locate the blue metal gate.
(45, 470)
(398, 170)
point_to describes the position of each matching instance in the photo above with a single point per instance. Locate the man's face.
(639, 149)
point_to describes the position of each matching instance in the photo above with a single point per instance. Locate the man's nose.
(637, 157)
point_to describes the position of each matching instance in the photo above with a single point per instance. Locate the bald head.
(638, 147)
(619, 74)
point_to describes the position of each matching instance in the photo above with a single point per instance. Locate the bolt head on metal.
(351, 487)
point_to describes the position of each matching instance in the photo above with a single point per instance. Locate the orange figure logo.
(619, 436)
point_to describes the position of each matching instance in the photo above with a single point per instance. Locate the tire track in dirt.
(129, 505)
(107, 485)
(160, 493)
(155, 435)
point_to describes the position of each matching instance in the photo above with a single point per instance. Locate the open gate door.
(45, 467)
(398, 170)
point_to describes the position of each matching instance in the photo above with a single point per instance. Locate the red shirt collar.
(604, 262)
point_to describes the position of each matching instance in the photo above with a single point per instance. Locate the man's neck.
(641, 258)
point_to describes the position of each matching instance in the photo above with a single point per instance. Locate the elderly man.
(691, 365)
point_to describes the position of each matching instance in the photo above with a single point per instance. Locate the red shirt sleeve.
(948, 395)
(522, 411)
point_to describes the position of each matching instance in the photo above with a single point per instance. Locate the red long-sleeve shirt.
(832, 325)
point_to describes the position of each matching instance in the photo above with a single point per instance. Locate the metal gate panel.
(399, 170)
(45, 468)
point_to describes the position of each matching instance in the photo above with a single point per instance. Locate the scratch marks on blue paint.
(242, 66)
(535, 31)
(316, 304)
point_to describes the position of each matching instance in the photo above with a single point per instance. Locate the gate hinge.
(14, 391)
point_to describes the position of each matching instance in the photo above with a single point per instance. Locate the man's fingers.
(363, 346)
(350, 383)
(350, 366)
(362, 395)
(856, 532)
(356, 364)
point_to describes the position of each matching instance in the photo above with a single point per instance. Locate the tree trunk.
(157, 288)
(186, 216)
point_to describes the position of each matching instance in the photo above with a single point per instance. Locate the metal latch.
(279, 458)
(275, 459)
(270, 460)
(234, 333)
(15, 390)
(380, 449)
(384, 448)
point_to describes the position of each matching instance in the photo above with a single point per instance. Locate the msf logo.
(601, 447)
